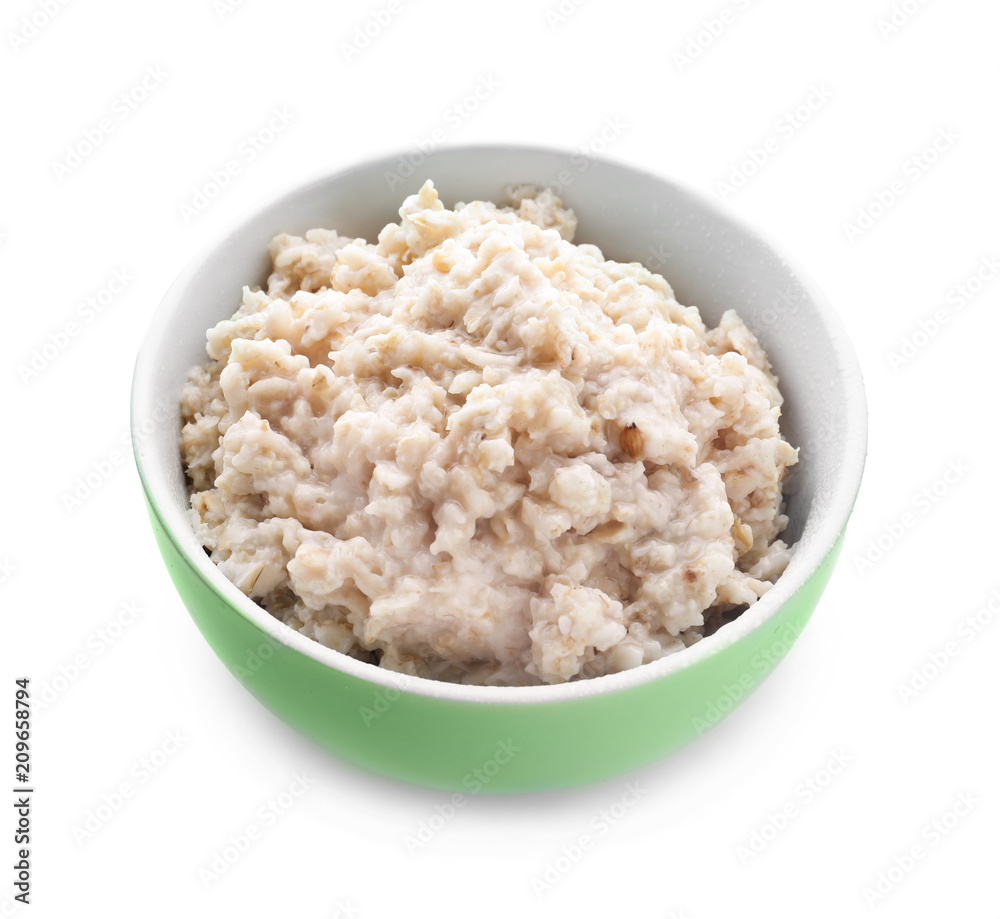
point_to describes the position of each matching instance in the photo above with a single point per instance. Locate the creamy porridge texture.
(474, 451)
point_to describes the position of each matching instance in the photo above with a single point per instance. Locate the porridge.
(474, 451)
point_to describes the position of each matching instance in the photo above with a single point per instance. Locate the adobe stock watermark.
(345, 909)
(734, 691)
(9, 906)
(786, 126)
(611, 130)
(781, 307)
(371, 29)
(930, 836)
(955, 300)
(255, 660)
(562, 12)
(243, 840)
(383, 698)
(225, 8)
(919, 506)
(711, 30)
(778, 819)
(656, 258)
(474, 781)
(95, 646)
(935, 662)
(100, 471)
(252, 145)
(898, 17)
(7, 570)
(139, 775)
(572, 854)
(887, 195)
(122, 108)
(453, 117)
(31, 25)
(84, 313)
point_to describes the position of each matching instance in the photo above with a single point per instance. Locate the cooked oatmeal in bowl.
(476, 480)
(474, 451)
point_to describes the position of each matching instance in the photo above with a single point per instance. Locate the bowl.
(504, 739)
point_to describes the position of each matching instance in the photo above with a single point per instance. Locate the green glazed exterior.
(476, 747)
(513, 739)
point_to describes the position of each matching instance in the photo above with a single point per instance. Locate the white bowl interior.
(711, 260)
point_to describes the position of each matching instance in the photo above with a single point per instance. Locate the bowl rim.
(803, 564)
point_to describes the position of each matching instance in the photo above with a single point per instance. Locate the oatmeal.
(474, 451)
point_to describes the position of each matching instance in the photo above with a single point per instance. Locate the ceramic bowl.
(500, 739)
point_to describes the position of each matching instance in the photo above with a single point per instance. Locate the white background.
(880, 97)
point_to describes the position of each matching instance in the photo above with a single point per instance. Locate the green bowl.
(503, 739)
